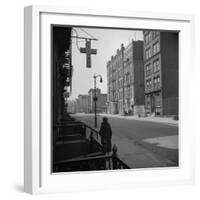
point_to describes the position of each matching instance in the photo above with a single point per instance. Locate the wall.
(11, 101)
(169, 52)
(138, 74)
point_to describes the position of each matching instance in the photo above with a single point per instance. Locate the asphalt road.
(132, 139)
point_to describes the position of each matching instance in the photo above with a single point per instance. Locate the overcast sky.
(109, 40)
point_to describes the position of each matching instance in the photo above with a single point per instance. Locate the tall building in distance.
(101, 101)
(85, 102)
(161, 72)
(71, 106)
(125, 75)
(115, 91)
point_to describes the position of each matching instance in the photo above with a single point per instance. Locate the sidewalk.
(133, 154)
(136, 156)
(165, 120)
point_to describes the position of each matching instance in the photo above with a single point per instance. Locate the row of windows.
(152, 51)
(156, 48)
(156, 81)
(127, 60)
(148, 37)
(119, 84)
(128, 92)
(119, 95)
(148, 53)
(151, 35)
(154, 34)
(156, 67)
(153, 84)
(117, 74)
(116, 96)
(116, 85)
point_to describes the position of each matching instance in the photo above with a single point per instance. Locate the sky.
(109, 40)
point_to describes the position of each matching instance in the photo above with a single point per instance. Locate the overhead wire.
(87, 33)
(76, 38)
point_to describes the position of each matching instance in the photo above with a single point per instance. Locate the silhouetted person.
(106, 134)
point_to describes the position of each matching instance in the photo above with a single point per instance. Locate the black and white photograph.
(114, 98)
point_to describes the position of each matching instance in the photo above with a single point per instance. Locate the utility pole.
(123, 93)
(95, 99)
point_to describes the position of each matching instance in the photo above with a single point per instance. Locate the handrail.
(69, 124)
(113, 158)
(79, 159)
(94, 130)
(113, 162)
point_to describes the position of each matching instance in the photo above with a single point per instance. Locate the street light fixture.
(95, 97)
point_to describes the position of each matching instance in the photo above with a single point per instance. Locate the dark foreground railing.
(95, 159)
(99, 162)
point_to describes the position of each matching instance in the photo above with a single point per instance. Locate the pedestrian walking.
(106, 135)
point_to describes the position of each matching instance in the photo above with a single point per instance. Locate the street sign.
(88, 52)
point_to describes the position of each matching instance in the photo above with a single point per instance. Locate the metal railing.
(103, 161)
(99, 162)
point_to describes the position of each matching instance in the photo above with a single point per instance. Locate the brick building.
(125, 75)
(161, 72)
(115, 82)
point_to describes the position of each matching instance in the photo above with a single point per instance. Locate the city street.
(141, 142)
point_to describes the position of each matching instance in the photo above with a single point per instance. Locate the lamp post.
(95, 97)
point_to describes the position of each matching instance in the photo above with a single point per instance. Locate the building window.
(148, 37)
(148, 84)
(131, 93)
(148, 69)
(154, 34)
(148, 53)
(156, 81)
(156, 65)
(156, 48)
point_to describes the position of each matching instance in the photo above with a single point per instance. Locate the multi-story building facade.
(161, 72)
(115, 97)
(125, 75)
(101, 101)
(85, 102)
(71, 106)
